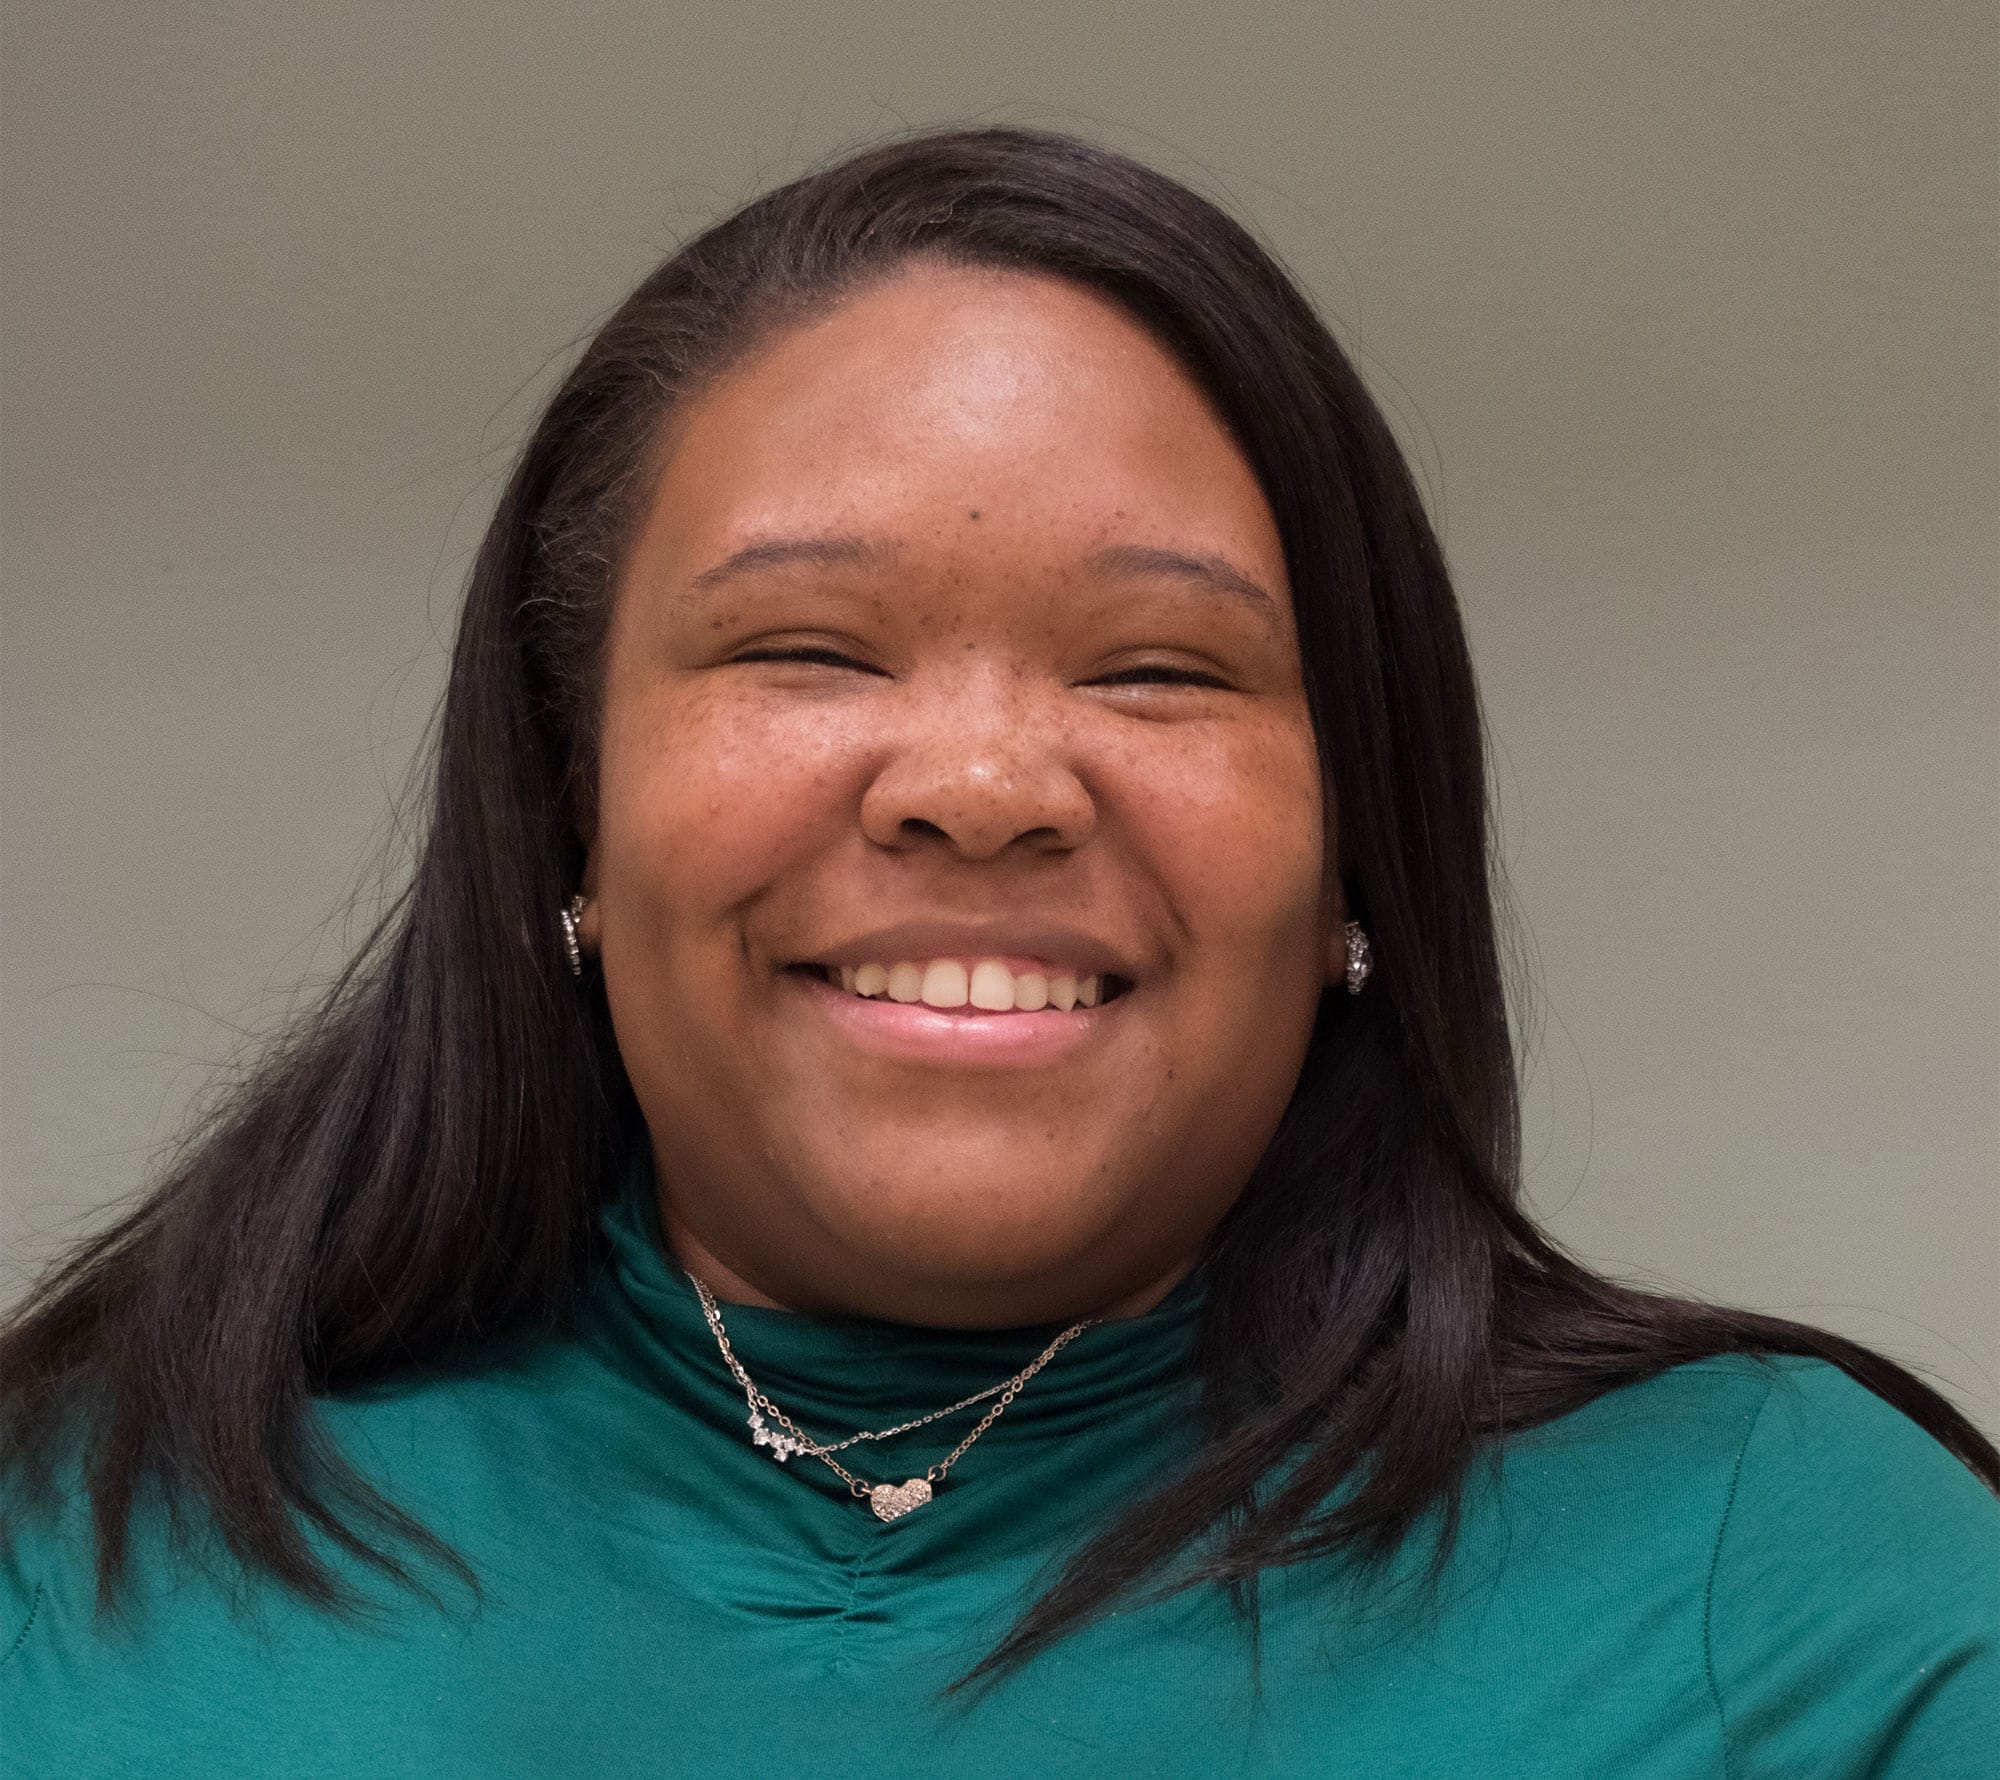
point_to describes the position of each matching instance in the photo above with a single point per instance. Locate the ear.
(1333, 915)
(581, 810)
(590, 922)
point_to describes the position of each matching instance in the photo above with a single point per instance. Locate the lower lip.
(915, 1033)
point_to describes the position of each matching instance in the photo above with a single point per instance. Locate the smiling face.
(956, 638)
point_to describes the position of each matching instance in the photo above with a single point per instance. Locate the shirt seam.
(1714, 1569)
(21, 1637)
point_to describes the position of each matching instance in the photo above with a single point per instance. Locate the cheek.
(704, 799)
(1237, 830)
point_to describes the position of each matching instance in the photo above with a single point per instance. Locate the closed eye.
(817, 657)
(1161, 675)
(1152, 674)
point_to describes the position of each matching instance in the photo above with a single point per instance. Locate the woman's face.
(956, 647)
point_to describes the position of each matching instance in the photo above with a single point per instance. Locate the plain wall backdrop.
(1687, 315)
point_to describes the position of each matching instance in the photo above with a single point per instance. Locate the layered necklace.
(890, 1501)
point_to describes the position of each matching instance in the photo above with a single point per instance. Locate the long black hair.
(417, 1168)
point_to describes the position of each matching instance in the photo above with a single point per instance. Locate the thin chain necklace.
(889, 1500)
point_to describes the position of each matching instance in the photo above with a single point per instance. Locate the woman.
(924, 1178)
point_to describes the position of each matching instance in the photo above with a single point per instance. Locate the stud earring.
(572, 923)
(1360, 957)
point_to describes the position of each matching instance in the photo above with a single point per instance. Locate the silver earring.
(1360, 958)
(572, 920)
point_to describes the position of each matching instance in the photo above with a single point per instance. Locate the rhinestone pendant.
(782, 1445)
(891, 1501)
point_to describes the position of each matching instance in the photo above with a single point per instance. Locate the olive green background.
(1686, 313)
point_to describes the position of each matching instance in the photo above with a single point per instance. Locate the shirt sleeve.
(1854, 1597)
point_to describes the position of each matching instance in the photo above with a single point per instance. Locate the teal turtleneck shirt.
(1735, 1569)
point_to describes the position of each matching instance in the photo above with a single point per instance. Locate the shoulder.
(1830, 1572)
(1785, 1468)
(1852, 1611)
(1832, 1486)
(1822, 1474)
(1687, 1482)
(1780, 1433)
(1822, 1445)
(442, 1445)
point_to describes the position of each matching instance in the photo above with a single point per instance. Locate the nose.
(979, 770)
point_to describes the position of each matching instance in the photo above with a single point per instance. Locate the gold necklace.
(889, 1500)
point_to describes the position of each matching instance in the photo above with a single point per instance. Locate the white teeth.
(992, 987)
(944, 983)
(988, 985)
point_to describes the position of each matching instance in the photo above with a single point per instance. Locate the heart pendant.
(891, 1501)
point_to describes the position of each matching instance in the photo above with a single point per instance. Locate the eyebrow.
(777, 553)
(1214, 574)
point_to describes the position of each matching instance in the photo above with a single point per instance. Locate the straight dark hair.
(417, 1168)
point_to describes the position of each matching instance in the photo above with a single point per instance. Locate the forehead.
(1010, 415)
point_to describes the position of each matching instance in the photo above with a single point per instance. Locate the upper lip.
(919, 941)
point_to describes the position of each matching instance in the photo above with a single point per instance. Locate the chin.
(971, 1259)
(988, 1244)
